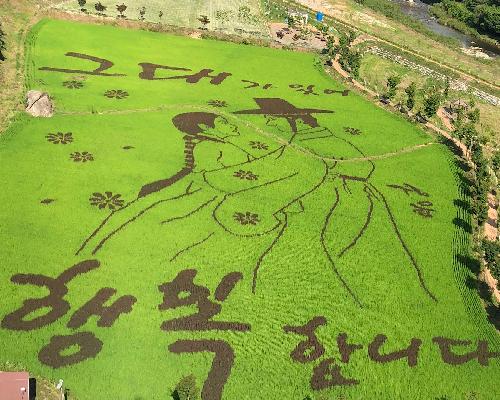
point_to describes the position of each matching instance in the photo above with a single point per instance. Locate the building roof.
(14, 385)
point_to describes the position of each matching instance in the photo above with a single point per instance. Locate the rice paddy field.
(228, 211)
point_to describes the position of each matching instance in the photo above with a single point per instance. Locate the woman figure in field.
(277, 179)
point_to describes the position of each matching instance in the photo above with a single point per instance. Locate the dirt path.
(444, 119)
(344, 74)
(491, 233)
(491, 225)
(492, 283)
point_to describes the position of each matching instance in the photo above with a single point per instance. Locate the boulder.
(39, 104)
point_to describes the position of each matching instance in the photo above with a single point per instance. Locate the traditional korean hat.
(282, 108)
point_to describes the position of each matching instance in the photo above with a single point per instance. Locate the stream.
(420, 11)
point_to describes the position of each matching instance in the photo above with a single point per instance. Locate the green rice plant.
(194, 205)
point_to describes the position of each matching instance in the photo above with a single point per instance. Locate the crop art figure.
(235, 169)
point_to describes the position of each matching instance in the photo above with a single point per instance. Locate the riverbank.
(466, 37)
(437, 10)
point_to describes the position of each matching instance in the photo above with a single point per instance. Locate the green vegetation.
(392, 84)
(349, 59)
(432, 101)
(82, 4)
(470, 16)
(411, 92)
(393, 11)
(242, 17)
(285, 214)
(492, 257)
(186, 389)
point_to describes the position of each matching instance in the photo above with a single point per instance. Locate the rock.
(39, 104)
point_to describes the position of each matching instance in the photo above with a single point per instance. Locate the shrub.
(82, 3)
(432, 101)
(491, 252)
(392, 84)
(100, 8)
(121, 8)
(411, 92)
(187, 389)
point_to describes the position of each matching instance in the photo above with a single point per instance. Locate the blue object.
(319, 16)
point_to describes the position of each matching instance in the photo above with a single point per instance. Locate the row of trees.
(432, 97)
(479, 177)
(121, 8)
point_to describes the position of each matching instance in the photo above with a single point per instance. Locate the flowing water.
(420, 11)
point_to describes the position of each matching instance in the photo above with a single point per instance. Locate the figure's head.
(205, 126)
(284, 124)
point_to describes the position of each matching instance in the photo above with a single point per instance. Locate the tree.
(495, 162)
(491, 252)
(204, 20)
(187, 389)
(121, 9)
(411, 92)
(223, 15)
(392, 84)
(244, 13)
(460, 117)
(474, 115)
(82, 3)
(100, 8)
(354, 62)
(3, 45)
(324, 28)
(432, 101)
(446, 91)
(142, 13)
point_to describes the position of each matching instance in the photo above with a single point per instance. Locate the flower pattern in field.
(74, 84)
(60, 138)
(217, 103)
(352, 131)
(248, 175)
(259, 145)
(116, 94)
(83, 156)
(246, 218)
(106, 200)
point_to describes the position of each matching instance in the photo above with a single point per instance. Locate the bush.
(186, 389)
